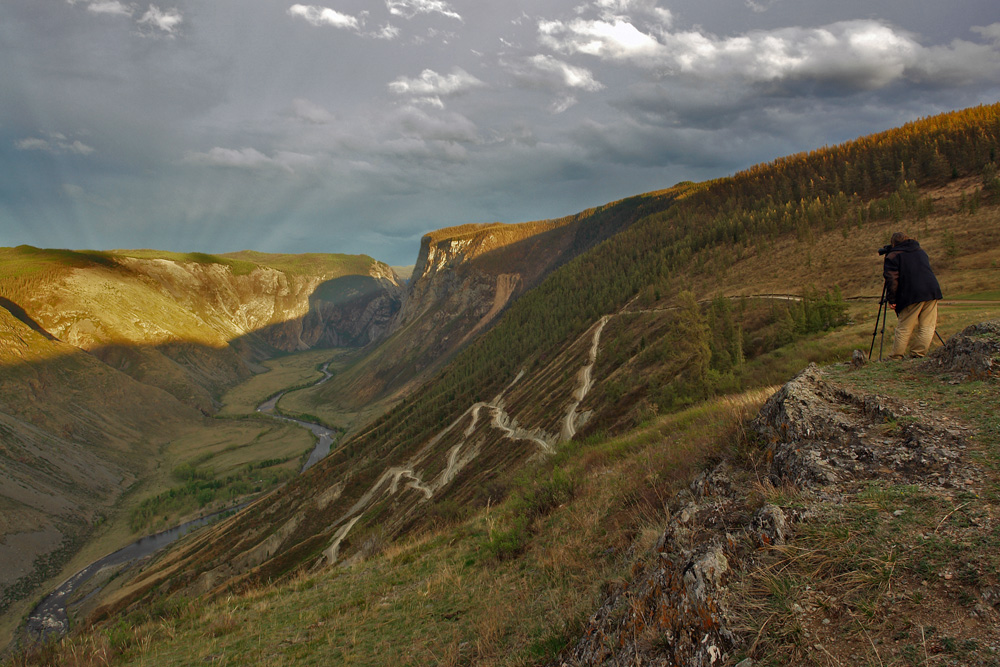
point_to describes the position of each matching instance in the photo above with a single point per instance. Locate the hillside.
(616, 337)
(463, 279)
(109, 362)
(850, 518)
(190, 324)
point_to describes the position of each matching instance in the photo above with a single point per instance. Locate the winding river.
(50, 619)
(325, 436)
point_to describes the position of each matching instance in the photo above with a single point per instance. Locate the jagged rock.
(713, 482)
(704, 573)
(770, 526)
(818, 435)
(974, 353)
(820, 438)
(858, 359)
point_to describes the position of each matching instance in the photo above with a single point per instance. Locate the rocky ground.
(857, 523)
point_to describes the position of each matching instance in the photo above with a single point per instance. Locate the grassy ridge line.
(26, 260)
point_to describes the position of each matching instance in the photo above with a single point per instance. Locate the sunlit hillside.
(110, 363)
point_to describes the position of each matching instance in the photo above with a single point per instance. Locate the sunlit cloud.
(567, 75)
(386, 32)
(410, 8)
(167, 21)
(56, 144)
(611, 9)
(616, 40)
(849, 55)
(110, 7)
(430, 86)
(324, 16)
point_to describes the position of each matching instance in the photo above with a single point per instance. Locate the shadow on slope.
(19, 313)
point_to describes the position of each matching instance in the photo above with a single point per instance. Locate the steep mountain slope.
(463, 279)
(549, 369)
(74, 434)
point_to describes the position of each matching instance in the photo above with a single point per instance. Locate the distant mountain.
(194, 324)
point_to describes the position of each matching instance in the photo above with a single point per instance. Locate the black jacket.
(908, 276)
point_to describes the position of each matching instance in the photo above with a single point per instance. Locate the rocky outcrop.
(444, 272)
(672, 612)
(821, 436)
(825, 440)
(972, 354)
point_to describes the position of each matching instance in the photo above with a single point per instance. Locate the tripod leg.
(878, 316)
(881, 340)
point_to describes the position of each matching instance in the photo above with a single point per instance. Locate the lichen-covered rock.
(974, 353)
(819, 436)
(672, 611)
(821, 441)
(770, 525)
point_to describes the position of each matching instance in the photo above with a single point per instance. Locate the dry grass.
(440, 597)
(964, 252)
(888, 574)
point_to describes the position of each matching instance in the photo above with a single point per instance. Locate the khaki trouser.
(915, 329)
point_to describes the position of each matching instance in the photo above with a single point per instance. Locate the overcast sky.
(357, 126)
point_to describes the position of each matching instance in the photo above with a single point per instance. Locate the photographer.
(913, 292)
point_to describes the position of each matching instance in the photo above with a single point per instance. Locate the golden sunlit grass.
(965, 256)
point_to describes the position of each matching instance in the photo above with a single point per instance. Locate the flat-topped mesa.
(446, 251)
(452, 246)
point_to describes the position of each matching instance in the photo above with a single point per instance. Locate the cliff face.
(445, 268)
(463, 279)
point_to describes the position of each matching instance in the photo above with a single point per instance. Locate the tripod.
(883, 313)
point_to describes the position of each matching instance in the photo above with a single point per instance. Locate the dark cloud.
(357, 126)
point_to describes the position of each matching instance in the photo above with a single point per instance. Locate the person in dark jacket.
(912, 290)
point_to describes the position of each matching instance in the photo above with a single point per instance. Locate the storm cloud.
(352, 126)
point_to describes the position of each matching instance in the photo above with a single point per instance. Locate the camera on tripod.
(884, 249)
